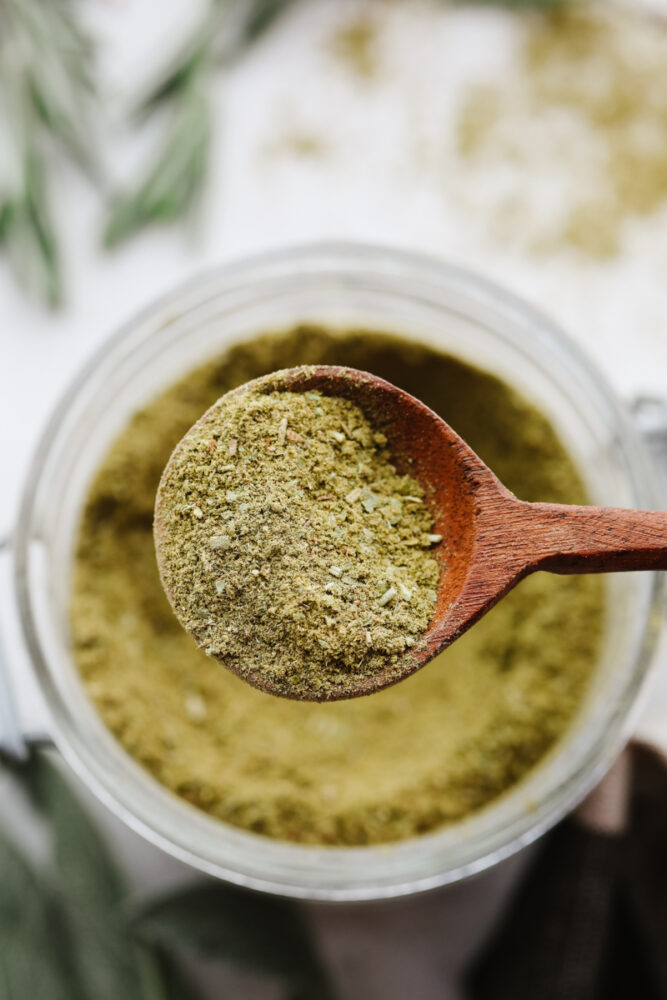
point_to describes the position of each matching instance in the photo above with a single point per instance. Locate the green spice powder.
(402, 762)
(292, 549)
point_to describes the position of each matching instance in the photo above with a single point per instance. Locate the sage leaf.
(110, 963)
(242, 928)
(32, 961)
(79, 853)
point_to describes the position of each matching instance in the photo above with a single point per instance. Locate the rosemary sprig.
(58, 73)
(261, 16)
(173, 182)
(28, 234)
(226, 31)
(46, 94)
(175, 179)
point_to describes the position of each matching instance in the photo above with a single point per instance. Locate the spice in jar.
(415, 757)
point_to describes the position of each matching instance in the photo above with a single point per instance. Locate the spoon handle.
(568, 539)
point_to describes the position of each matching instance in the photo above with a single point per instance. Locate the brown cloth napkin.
(589, 919)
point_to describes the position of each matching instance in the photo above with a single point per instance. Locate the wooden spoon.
(491, 540)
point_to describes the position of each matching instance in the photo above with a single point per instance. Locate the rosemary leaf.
(60, 115)
(175, 179)
(177, 78)
(46, 92)
(28, 234)
(59, 74)
(222, 35)
(47, 70)
(190, 63)
(225, 32)
(176, 176)
(262, 14)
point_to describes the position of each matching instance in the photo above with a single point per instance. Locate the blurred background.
(141, 142)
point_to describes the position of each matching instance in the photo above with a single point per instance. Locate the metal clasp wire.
(12, 741)
(650, 415)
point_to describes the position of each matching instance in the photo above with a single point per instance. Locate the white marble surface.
(384, 179)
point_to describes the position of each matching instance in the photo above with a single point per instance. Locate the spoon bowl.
(491, 540)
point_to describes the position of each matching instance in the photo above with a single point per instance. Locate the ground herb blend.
(290, 547)
(588, 87)
(406, 761)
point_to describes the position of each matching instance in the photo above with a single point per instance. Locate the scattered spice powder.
(296, 141)
(571, 146)
(299, 566)
(355, 44)
(406, 761)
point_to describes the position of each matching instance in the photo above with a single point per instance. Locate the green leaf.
(175, 79)
(57, 75)
(261, 16)
(201, 48)
(178, 76)
(46, 90)
(29, 237)
(173, 183)
(81, 857)
(109, 961)
(32, 964)
(5, 218)
(175, 178)
(242, 928)
(62, 116)
(191, 62)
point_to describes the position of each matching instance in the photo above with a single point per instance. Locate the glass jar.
(346, 286)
